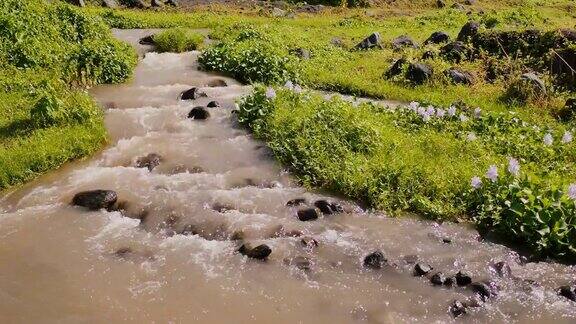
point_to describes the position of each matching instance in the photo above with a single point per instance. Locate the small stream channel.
(171, 253)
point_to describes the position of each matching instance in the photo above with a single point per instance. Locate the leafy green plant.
(178, 40)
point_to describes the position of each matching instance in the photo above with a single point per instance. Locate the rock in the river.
(418, 73)
(147, 40)
(403, 41)
(261, 252)
(110, 4)
(369, 42)
(396, 68)
(533, 81)
(217, 83)
(455, 51)
(463, 279)
(95, 199)
(192, 94)
(375, 260)
(459, 77)
(300, 262)
(485, 289)
(309, 243)
(439, 279)
(328, 208)
(457, 309)
(437, 38)
(568, 292)
(213, 104)
(422, 269)
(199, 113)
(502, 269)
(308, 214)
(468, 31)
(296, 202)
(149, 161)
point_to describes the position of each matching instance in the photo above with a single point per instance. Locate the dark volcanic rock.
(439, 279)
(459, 77)
(296, 202)
(455, 51)
(213, 104)
(418, 73)
(396, 68)
(422, 269)
(95, 199)
(468, 31)
(403, 41)
(485, 289)
(328, 208)
(308, 214)
(457, 309)
(463, 279)
(261, 252)
(375, 260)
(149, 161)
(369, 42)
(199, 113)
(192, 94)
(568, 292)
(437, 38)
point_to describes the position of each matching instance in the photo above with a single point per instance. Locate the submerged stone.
(308, 214)
(192, 94)
(568, 292)
(463, 279)
(375, 260)
(149, 161)
(95, 199)
(261, 252)
(296, 202)
(457, 309)
(199, 113)
(502, 269)
(213, 104)
(422, 269)
(439, 279)
(485, 290)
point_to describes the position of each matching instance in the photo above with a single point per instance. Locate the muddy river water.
(170, 255)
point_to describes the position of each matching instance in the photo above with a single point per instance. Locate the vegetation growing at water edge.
(510, 176)
(48, 53)
(177, 40)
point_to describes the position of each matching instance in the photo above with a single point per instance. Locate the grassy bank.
(49, 53)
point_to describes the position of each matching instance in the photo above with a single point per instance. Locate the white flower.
(513, 166)
(270, 93)
(440, 113)
(492, 173)
(477, 112)
(414, 105)
(572, 191)
(452, 111)
(463, 118)
(421, 111)
(548, 139)
(567, 138)
(297, 89)
(471, 137)
(476, 183)
(289, 85)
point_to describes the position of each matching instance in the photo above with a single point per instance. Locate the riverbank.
(49, 54)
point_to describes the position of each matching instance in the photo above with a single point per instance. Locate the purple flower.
(289, 85)
(440, 113)
(492, 173)
(477, 112)
(270, 93)
(513, 166)
(463, 118)
(476, 183)
(421, 111)
(567, 138)
(452, 111)
(572, 191)
(414, 105)
(548, 139)
(430, 111)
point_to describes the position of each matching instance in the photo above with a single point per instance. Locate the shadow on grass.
(17, 128)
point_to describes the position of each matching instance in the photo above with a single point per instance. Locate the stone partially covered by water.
(95, 199)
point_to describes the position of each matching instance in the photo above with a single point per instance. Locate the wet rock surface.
(422, 269)
(375, 260)
(260, 252)
(192, 94)
(199, 113)
(149, 161)
(308, 214)
(95, 199)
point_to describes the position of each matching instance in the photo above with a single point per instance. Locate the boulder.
(112, 4)
(468, 31)
(534, 82)
(261, 252)
(192, 94)
(173, 3)
(149, 161)
(138, 4)
(568, 292)
(440, 4)
(396, 68)
(328, 208)
(213, 104)
(437, 38)
(296, 202)
(301, 53)
(457, 309)
(459, 77)
(372, 41)
(95, 199)
(422, 269)
(463, 279)
(439, 279)
(455, 51)
(402, 42)
(156, 3)
(485, 289)
(199, 113)
(375, 260)
(147, 40)
(308, 214)
(418, 73)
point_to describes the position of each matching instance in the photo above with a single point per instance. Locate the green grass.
(178, 40)
(48, 54)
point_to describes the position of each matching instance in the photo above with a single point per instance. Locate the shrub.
(177, 40)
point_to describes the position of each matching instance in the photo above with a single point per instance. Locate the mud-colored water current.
(170, 255)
